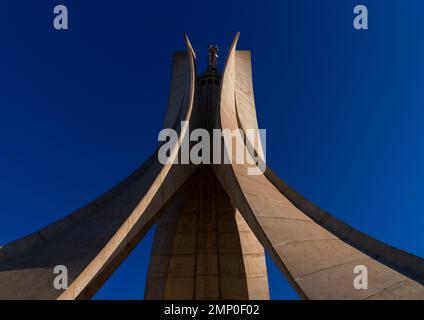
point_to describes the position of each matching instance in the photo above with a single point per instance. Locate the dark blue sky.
(80, 109)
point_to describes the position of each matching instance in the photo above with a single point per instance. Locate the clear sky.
(81, 109)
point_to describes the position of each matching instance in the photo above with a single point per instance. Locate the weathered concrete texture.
(203, 248)
(315, 251)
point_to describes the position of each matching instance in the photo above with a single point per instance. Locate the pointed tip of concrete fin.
(189, 46)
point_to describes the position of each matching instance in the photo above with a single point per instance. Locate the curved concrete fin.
(180, 86)
(93, 241)
(189, 46)
(316, 253)
(166, 184)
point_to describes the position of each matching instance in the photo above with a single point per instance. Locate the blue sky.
(81, 109)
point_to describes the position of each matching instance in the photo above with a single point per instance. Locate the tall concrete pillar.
(203, 248)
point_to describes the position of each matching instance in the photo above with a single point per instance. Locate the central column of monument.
(203, 248)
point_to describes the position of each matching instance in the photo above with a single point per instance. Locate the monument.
(214, 221)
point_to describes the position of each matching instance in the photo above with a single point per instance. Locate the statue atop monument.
(213, 57)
